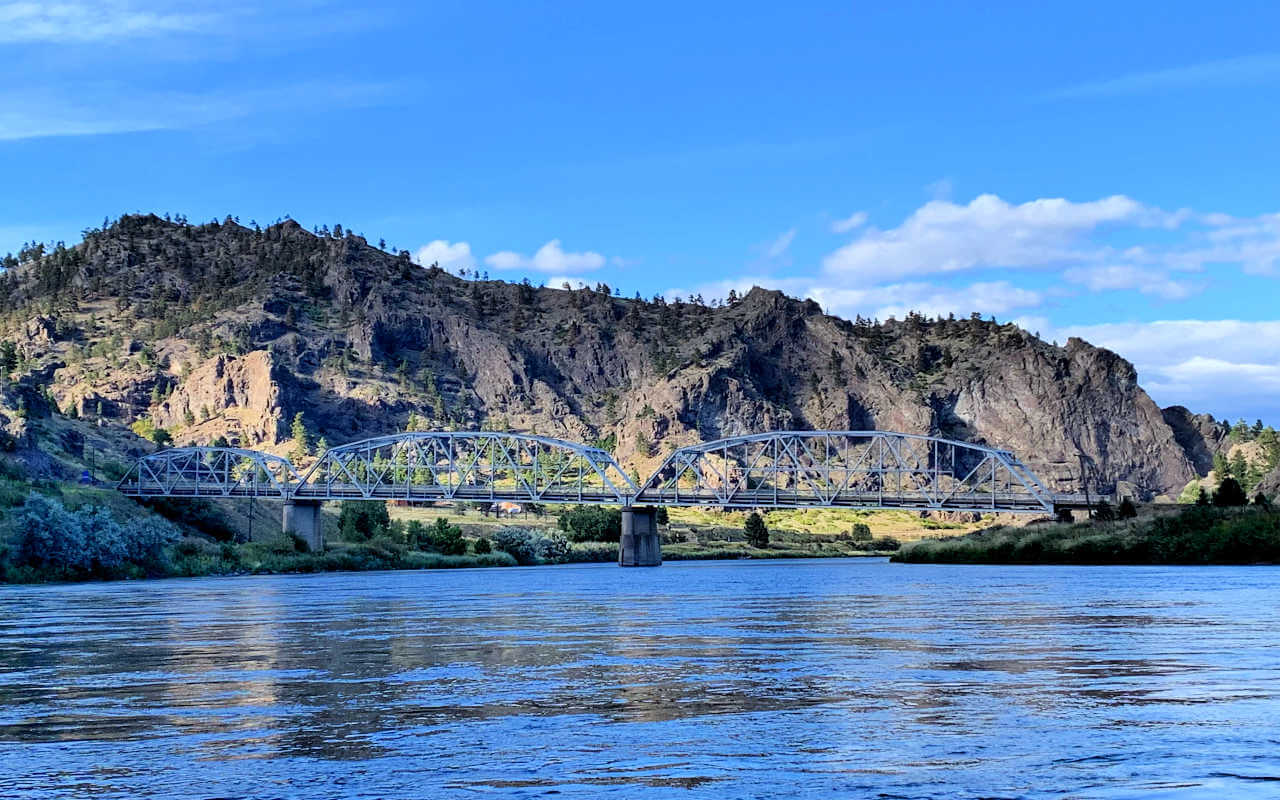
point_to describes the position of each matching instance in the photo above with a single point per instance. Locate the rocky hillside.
(222, 331)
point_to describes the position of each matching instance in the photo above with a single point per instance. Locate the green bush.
(860, 532)
(529, 546)
(591, 524)
(447, 538)
(482, 546)
(88, 542)
(362, 520)
(196, 513)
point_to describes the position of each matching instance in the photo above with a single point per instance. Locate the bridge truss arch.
(209, 472)
(474, 466)
(846, 469)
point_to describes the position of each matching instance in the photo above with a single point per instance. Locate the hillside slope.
(222, 330)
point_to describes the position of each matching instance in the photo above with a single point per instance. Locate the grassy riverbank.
(1191, 535)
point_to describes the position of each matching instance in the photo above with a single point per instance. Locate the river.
(771, 679)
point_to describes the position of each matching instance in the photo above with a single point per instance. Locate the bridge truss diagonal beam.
(846, 469)
(781, 469)
(481, 466)
(209, 472)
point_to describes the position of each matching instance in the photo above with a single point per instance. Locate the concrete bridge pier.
(640, 546)
(302, 517)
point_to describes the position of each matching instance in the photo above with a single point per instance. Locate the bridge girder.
(781, 469)
(482, 466)
(209, 472)
(846, 469)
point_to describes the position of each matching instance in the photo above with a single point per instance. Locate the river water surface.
(820, 679)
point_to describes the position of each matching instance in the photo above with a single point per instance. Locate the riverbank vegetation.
(1200, 534)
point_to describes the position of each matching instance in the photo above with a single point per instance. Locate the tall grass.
(1197, 535)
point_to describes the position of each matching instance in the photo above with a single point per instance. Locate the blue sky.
(1084, 169)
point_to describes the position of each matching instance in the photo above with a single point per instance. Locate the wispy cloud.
(1126, 276)
(96, 109)
(1243, 71)
(852, 222)
(77, 22)
(779, 246)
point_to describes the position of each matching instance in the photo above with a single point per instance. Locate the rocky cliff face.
(1199, 435)
(219, 330)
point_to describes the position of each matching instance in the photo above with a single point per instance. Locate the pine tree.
(301, 439)
(757, 532)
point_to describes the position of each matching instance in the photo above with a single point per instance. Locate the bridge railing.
(475, 466)
(851, 469)
(209, 472)
(783, 469)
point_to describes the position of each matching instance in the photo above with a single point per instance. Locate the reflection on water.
(742, 679)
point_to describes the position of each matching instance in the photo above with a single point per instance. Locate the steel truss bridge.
(782, 469)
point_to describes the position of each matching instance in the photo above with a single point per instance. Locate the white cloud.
(994, 297)
(1148, 281)
(558, 282)
(1243, 71)
(1215, 366)
(779, 246)
(855, 220)
(549, 258)
(1253, 243)
(882, 302)
(942, 236)
(796, 287)
(447, 255)
(63, 22)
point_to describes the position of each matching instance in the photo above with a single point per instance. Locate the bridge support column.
(302, 518)
(640, 546)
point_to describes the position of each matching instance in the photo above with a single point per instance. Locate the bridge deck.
(783, 469)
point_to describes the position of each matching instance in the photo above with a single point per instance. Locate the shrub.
(1229, 493)
(199, 514)
(518, 542)
(447, 538)
(362, 520)
(661, 516)
(757, 532)
(88, 541)
(885, 543)
(532, 547)
(591, 524)
(416, 535)
(482, 546)
(1127, 510)
(1103, 512)
(51, 536)
(860, 532)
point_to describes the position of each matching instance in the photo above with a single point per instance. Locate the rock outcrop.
(222, 330)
